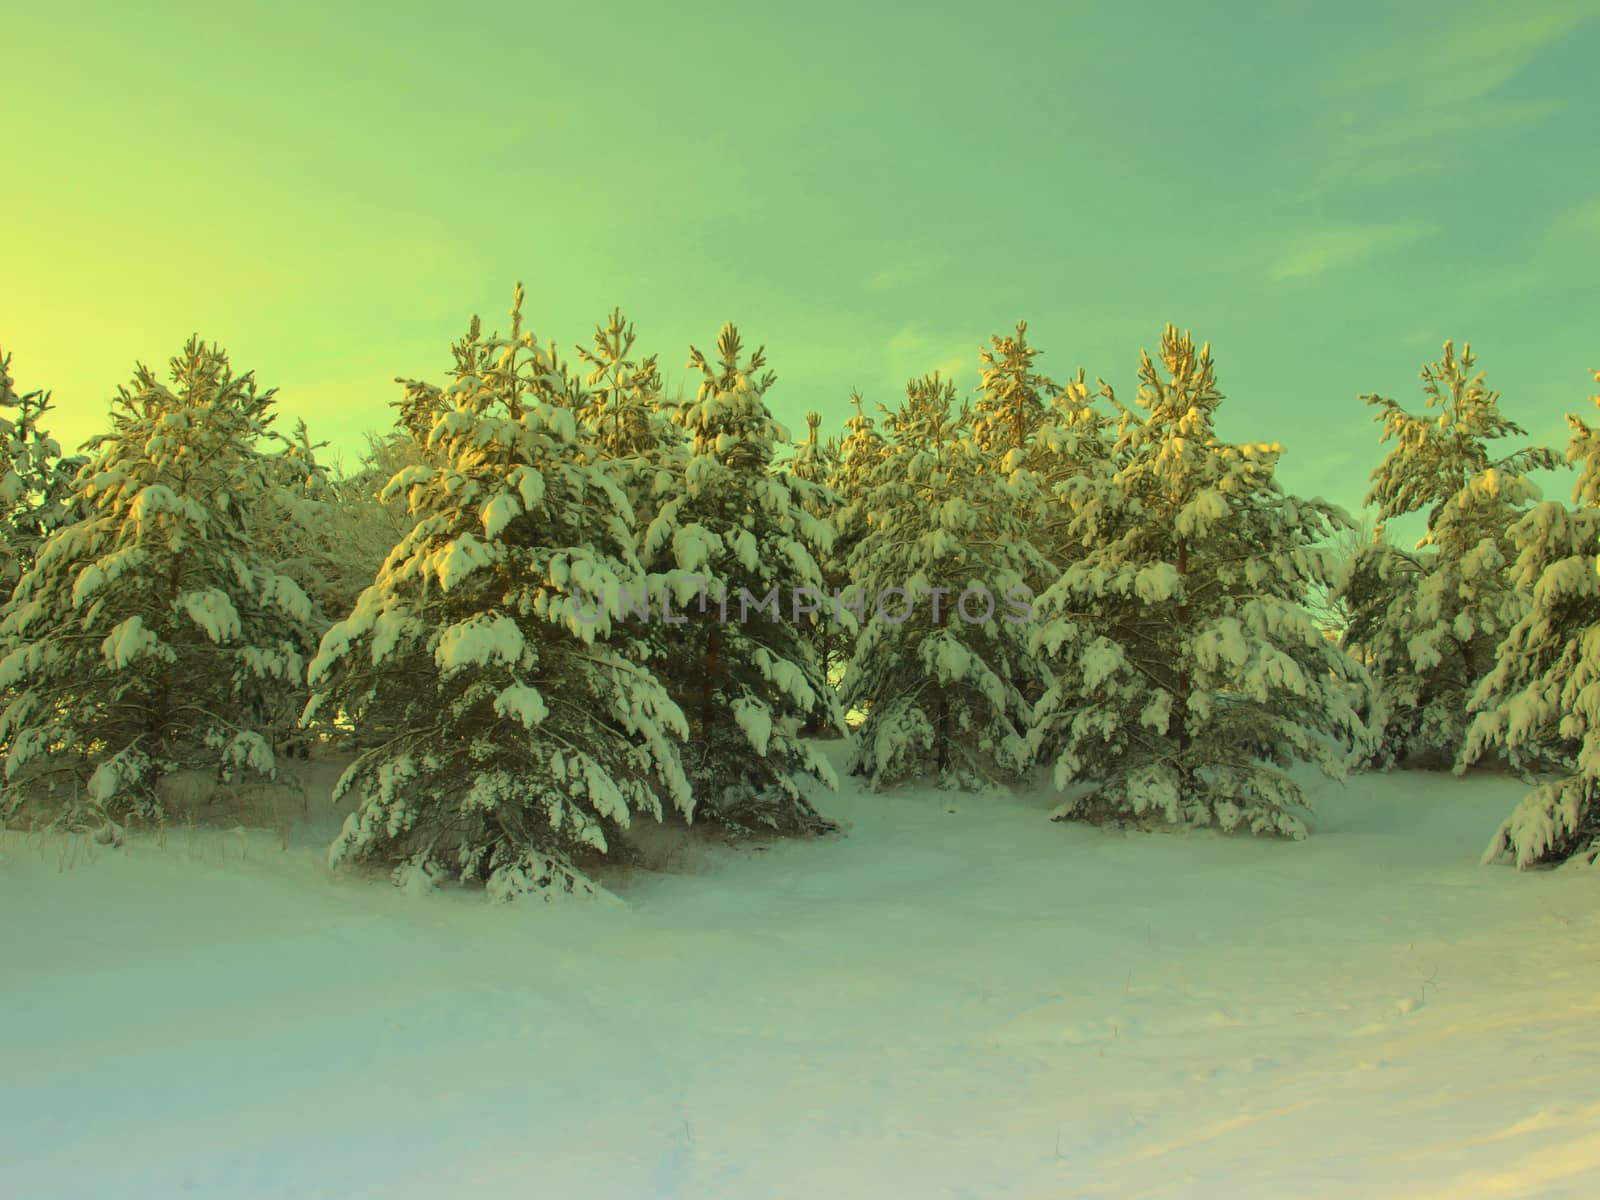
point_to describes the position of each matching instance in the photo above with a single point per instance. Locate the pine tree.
(832, 629)
(1052, 446)
(944, 566)
(733, 552)
(150, 635)
(35, 480)
(1013, 399)
(343, 525)
(1071, 462)
(1376, 591)
(851, 471)
(1064, 484)
(624, 412)
(1429, 622)
(625, 423)
(299, 529)
(860, 451)
(298, 532)
(1330, 604)
(523, 727)
(1540, 703)
(1189, 673)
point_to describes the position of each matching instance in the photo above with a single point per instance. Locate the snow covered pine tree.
(849, 478)
(1196, 673)
(625, 423)
(1427, 623)
(833, 628)
(35, 480)
(1052, 447)
(944, 566)
(736, 549)
(1540, 704)
(523, 728)
(149, 635)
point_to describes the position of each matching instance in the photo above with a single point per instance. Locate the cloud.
(906, 343)
(1472, 59)
(1581, 221)
(1479, 50)
(904, 273)
(1315, 253)
(911, 353)
(1402, 108)
(1389, 146)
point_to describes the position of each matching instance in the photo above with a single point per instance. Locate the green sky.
(1323, 191)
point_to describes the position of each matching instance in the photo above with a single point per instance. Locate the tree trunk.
(1183, 685)
(708, 684)
(943, 751)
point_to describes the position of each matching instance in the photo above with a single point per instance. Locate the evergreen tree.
(944, 566)
(1071, 461)
(850, 478)
(852, 470)
(1189, 673)
(1428, 622)
(299, 530)
(1052, 446)
(150, 635)
(1330, 604)
(733, 551)
(625, 423)
(1064, 482)
(814, 460)
(523, 725)
(35, 480)
(833, 627)
(1540, 703)
(860, 452)
(345, 524)
(1013, 399)
(624, 413)
(1376, 590)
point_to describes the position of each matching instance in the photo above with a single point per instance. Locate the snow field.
(975, 1003)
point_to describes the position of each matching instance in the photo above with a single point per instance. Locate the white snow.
(479, 640)
(391, 625)
(691, 547)
(213, 611)
(1157, 583)
(289, 597)
(127, 641)
(979, 1004)
(457, 559)
(755, 722)
(522, 703)
(743, 544)
(500, 512)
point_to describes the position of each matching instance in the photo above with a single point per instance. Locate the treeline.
(553, 598)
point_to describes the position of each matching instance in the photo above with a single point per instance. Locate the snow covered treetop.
(1013, 399)
(728, 418)
(1584, 452)
(1441, 451)
(501, 374)
(623, 403)
(1173, 449)
(34, 479)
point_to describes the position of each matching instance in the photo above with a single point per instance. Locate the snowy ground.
(966, 1004)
